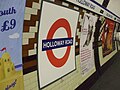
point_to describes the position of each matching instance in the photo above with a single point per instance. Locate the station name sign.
(86, 3)
(94, 7)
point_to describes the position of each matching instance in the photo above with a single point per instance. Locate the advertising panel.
(86, 44)
(56, 43)
(107, 31)
(11, 27)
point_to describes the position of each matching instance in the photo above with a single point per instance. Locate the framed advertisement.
(107, 33)
(86, 44)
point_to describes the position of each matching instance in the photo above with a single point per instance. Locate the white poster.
(56, 44)
(86, 44)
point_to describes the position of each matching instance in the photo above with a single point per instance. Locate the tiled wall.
(32, 14)
(30, 36)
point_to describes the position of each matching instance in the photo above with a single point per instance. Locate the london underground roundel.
(56, 42)
(59, 62)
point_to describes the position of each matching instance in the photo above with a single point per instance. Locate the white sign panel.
(86, 44)
(56, 44)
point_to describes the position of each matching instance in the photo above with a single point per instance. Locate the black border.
(38, 40)
(38, 78)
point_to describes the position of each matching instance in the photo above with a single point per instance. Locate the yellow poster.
(10, 78)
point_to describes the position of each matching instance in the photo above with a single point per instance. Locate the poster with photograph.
(11, 27)
(106, 36)
(56, 43)
(86, 44)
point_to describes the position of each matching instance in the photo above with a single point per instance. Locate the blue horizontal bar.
(104, 8)
(50, 44)
(18, 66)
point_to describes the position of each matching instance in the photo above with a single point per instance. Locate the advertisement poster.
(11, 27)
(56, 43)
(116, 30)
(107, 32)
(86, 44)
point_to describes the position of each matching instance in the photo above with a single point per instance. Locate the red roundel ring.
(59, 62)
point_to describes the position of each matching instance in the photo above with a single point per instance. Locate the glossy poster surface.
(107, 31)
(11, 27)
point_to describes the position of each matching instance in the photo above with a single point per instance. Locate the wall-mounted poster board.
(56, 43)
(106, 37)
(86, 44)
(11, 27)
